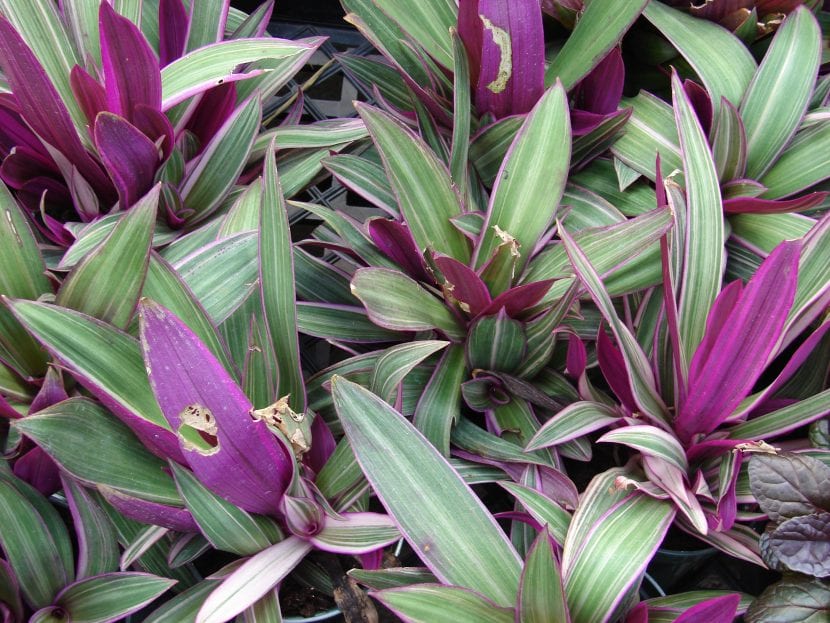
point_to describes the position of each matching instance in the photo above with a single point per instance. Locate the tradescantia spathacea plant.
(212, 451)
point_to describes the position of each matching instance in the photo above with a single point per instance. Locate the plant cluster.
(590, 296)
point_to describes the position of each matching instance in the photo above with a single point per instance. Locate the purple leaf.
(91, 96)
(715, 610)
(518, 299)
(173, 25)
(231, 453)
(803, 544)
(577, 357)
(323, 446)
(42, 108)
(584, 122)
(129, 156)
(13, 130)
(24, 164)
(131, 69)
(601, 90)
(396, 242)
(741, 205)
(741, 333)
(39, 470)
(463, 284)
(214, 108)
(155, 125)
(701, 103)
(612, 365)
(152, 513)
(51, 391)
(505, 43)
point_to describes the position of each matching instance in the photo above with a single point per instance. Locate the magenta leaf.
(131, 69)
(173, 25)
(601, 90)
(88, 91)
(715, 610)
(232, 454)
(39, 470)
(577, 357)
(741, 205)
(463, 284)
(739, 339)
(42, 108)
(152, 513)
(395, 241)
(129, 156)
(505, 43)
(701, 102)
(214, 108)
(518, 299)
(612, 365)
(156, 126)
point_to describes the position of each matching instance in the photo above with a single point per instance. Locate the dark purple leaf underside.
(511, 77)
(612, 365)
(601, 90)
(463, 284)
(396, 242)
(738, 341)
(42, 107)
(129, 156)
(153, 513)
(239, 458)
(741, 205)
(715, 610)
(213, 110)
(89, 92)
(518, 299)
(131, 69)
(701, 102)
(173, 25)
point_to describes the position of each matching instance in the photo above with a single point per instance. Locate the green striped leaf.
(310, 136)
(341, 322)
(439, 407)
(106, 284)
(782, 420)
(542, 598)
(496, 343)
(23, 276)
(462, 544)
(651, 441)
(319, 281)
(729, 143)
(221, 162)
(30, 547)
(813, 282)
(650, 130)
(427, 22)
(385, 77)
(613, 536)
(276, 280)
(364, 177)
(459, 150)
(97, 544)
(395, 577)
(490, 145)
(575, 420)
(802, 164)
(767, 231)
(639, 371)
(82, 23)
(395, 301)
(628, 248)
(184, 606)
(206, 24)
(421, 183)
(600, 27)
(249, 582)
(164, 285)
(211, 65)
(720, 59)
(221, 274)
(705, 236)
(227, 527)
(398, 361)
(540, 152)
(244, 213)
(433, 603)
(476, 440)
(91, 350)
(543, 509)
(96, 448)
(779, 93)
(110, 596)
